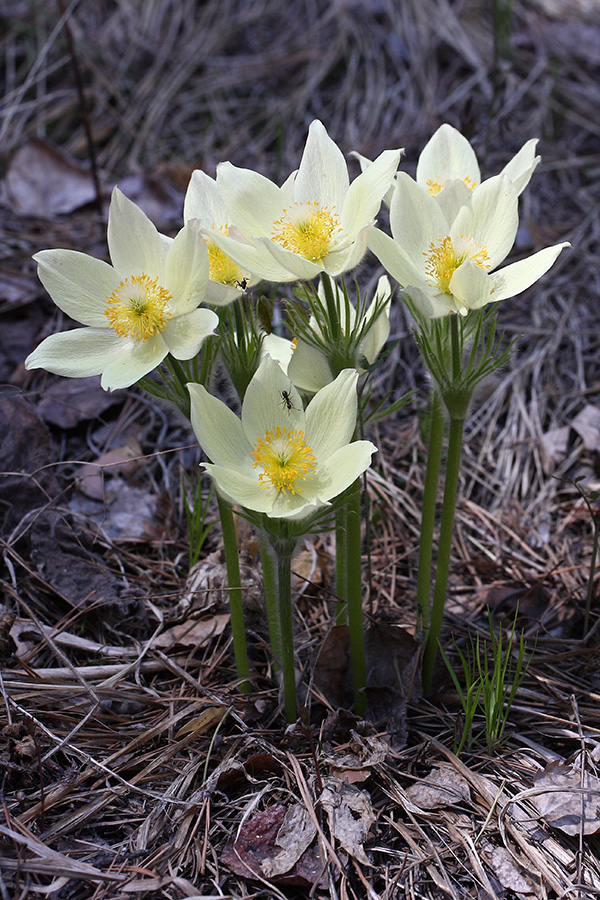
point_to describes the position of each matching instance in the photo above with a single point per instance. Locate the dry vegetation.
(128, 761)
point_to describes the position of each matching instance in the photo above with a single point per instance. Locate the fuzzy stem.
(341, 564)
(445, 546)
(284, 579)
(432, 475)
(271, 599)
(234, 583)
(354, 590)
(332, 309)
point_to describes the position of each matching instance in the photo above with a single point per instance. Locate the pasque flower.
(203, 202)
(136, 310)
(316, 222)
(278, 459)
(447, 265)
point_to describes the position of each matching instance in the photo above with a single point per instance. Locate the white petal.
(278, 348)
(264, 405)
(343, 468)
(256, 259)
(219, 431)
(331, 415)
(491, 218)
(203, 201)
(393, 258)
(339, 261)
(295, 506)
(471, 286)
(366, 192)
(379, 331)
(291, 265)
(416, 220)
(185, 335)
(136, 359)
(218, 294)
(77, 354)
(135, 245)
(78, 284)
(252, 201)
(447, 154)
(241, 489)
(186, 269)
(309, 369)
(323, 173)
(453, 195)
(522, 166)
(428, 305)
(517, 277)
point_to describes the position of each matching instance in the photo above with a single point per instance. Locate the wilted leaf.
(42, 182)
(70, 401)
(508, 873)
(356, 764)
(587, 425)
(207, 719)
(331, 667)
(442, 787)
(350, 815)
(554, 447)
(573, 810)
(295, 835)
(124, 460)
(194, 633)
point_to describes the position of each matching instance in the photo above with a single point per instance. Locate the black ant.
(242, 284)
(287, 400)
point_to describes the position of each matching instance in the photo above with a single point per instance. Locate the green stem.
(445, 546)
(234, 583)
(284, 580)
(180, 379)
(354, 590)
(271, 599)
(341, 567)
(432, 475)
(332, 309)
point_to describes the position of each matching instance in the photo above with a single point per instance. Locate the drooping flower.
(203, 202)
(362, 338)
(316, 222)
(279, 459)
(449, 169)
(136, 310)
(447, 266)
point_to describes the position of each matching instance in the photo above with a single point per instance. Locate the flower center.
(286, 459)
(307, 229)
(442, 261)
(434, 187)
(137, 307)
(221, 267)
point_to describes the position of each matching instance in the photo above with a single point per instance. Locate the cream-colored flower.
(278, 459)
(136, 311)
(316, 222)
(449, 267)
(203, 202)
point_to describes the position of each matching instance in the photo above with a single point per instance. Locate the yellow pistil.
(443, 260)
(307, 229)
(137, 307)
(221, 267)
(286, 459)
(434, 187)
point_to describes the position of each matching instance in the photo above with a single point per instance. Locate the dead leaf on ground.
(127, 513)
(295, 835)
(587, 425)
(507, 871)
(356, 764)
(444, 786)
(124, 460)
(41, 181)
(207, 719)
(194, 633)
(554, 445)
(70, 401)
(331, 667)
(350, 815)
(573, 810)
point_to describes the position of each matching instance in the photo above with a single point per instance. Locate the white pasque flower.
(203, 202)
(309, 367)
(448, 168)
(136, 310)
(448, 266)
(316, 222)
(279, 459)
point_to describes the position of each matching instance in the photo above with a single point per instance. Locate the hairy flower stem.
(354, 591)
(332, 309)
(234, 583)
(341, 564)
(284, 582)
(271, 598)
(432, 475)
(445, 546)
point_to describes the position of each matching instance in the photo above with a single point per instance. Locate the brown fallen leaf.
(296, 833)
(194, 633)
(444, 786)
(207, 719)
(509, 874)
(42, 181)
(356, 765)
(124, 460)
(575, 809)
(587, 425)
(70, 401)
(350, 815)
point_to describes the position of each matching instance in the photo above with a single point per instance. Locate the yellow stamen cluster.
(221, 267)
(286, 459)
(307, 229)
(434, 187)
(442, 261)
(137, 307)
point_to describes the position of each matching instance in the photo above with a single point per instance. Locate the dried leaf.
(442, 787)
(204, 722)
(554, 444)
(357, 765)
(124, 460)
(193, 634)
(587, 425)
(508, 873)
(574, 810)
(70, 401)
(350, 815)
(295, 835)
(42, 182)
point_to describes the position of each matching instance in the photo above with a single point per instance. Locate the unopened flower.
(203, 202)
(447, 266)
(136, 311)
(316, 222)
(278, 459)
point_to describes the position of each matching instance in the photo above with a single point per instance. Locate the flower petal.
(219, 431)
(77, 354)
(78, 284)
(290, 264)
(416, 220)
(252, 258)
(379, 330)
(252, 201)
(323, 173)
(471, 286)
(517, 277)
(431, 306)
(136, 359)
(186, 269)
(278, 348)
(366, 192)
(241, 489)
(331, 415)
(453, 195)
(184, 335)
(203, 201)
(135, 245)
(491, 218)
(342, 468)
(218, 294)
(447, 154)
(393, 258)
(309, 369)
(264, 406)
(522, 166)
